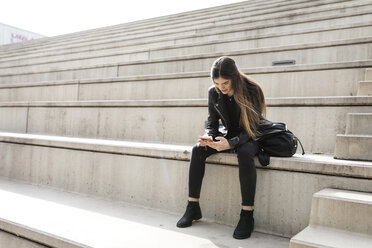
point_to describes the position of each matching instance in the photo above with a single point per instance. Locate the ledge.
(314, 164)
(234, 29)
(366, 40)
(182, 45)
(200, 74)
(270, 102)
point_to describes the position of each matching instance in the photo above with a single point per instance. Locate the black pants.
(247, 170)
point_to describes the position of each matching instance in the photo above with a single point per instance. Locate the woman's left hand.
(220, 145)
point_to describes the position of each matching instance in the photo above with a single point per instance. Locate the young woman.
(239, 103)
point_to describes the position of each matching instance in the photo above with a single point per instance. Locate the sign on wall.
(10, 35)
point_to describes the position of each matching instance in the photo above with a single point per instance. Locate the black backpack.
(276, 140)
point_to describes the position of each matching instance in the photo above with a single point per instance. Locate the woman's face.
(224, 85)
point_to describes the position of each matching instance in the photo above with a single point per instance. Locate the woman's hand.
(220, 145)
(204, 140)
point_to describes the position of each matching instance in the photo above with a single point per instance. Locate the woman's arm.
(212, 124)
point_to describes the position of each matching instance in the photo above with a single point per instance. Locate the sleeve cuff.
(233, 142)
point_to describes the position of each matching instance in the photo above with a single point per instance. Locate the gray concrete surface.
(316, 121)
(86, 221)
(296, 8)
(320, 52)
(354, 147)
(9, 240)
(112, 52)
(368, 75)
(359, 123)
(365, 88)
(319, 80)
(339, 219)
(162, 183)
(342, 209)
(330, 238)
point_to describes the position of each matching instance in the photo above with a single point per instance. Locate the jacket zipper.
(216, 107)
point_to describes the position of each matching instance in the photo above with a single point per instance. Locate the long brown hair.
(247, 94)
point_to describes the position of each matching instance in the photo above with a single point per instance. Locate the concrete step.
(283, 81)
(165, 47)
(155, 175)
(157, 21)
(339, 218)
(316, 121)
(319, 237)
(347, 9)
(342, 209)
(359, 123)
(368, 74)
(268, 37)
(84, 221)
(354, 147)
(365, 88)
(323, 52)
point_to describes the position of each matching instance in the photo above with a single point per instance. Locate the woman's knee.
(198, 150)
(248, 149)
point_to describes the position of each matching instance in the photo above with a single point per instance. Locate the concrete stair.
(155, 176)
(368, 74)
(339, 218)
(83, 221)
(365, 88)
(359, 123)
(286, 11)
(124, 104)
(356, 143)
(159, 120)
(320, 52)
(283, 81)
(352, 146)
(160, 47)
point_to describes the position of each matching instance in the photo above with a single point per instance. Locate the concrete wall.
(316, 122)
(283, 198)
(12, 241)
(301, 81)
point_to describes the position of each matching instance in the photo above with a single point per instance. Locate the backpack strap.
(302, 148)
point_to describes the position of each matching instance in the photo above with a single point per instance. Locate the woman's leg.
(247, 177)
(197, 169)
(247, 173)
(196, 174)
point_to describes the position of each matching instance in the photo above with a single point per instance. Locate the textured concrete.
(319, 237)
(114, 53)
(9, 240)
(95, 222)
(368, 75)
(365, 88)
(239, 41)
(359, 123)
(317, 164)
(297, 12)
(316, 121)
(355, 147)
(109, 70)
(323, 52)
(14, 118)
(162, 183)
(339, 219)
(342, 209)
(276, 82)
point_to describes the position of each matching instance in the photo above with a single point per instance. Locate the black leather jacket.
(217, 110)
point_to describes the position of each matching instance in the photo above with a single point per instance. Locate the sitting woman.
(239, 103)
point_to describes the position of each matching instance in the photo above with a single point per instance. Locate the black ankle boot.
(193, 212)
(245, 226)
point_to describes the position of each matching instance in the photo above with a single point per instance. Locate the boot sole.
(241, 237)
(182, 226)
